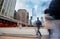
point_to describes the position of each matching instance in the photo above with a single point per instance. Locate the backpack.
(38, 22)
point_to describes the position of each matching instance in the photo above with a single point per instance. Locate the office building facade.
(8, 8)
(23, 16)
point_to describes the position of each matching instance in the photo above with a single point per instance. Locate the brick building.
(23, 16)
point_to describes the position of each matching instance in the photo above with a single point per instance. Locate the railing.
(10, 22)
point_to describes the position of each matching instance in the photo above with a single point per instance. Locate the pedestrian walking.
(38, 24)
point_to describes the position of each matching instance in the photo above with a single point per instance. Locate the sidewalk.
(25, 31)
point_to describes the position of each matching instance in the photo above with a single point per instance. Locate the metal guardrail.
(7, 18)
(12, 20)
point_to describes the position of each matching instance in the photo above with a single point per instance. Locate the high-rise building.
(1, 3)
(23, 16)
(8, 8)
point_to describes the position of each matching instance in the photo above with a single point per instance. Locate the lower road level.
(11, 37)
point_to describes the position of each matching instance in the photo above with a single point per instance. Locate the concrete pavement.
(17, 31)
(11, 37)
(23, 30)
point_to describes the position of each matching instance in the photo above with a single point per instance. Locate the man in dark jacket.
(38, 24)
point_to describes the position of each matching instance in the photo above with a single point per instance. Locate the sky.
(34, 7)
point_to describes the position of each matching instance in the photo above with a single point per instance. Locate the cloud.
(29, 3)
(39, 5)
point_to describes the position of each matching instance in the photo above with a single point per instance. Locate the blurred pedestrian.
(53, 25)
(48, 20)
